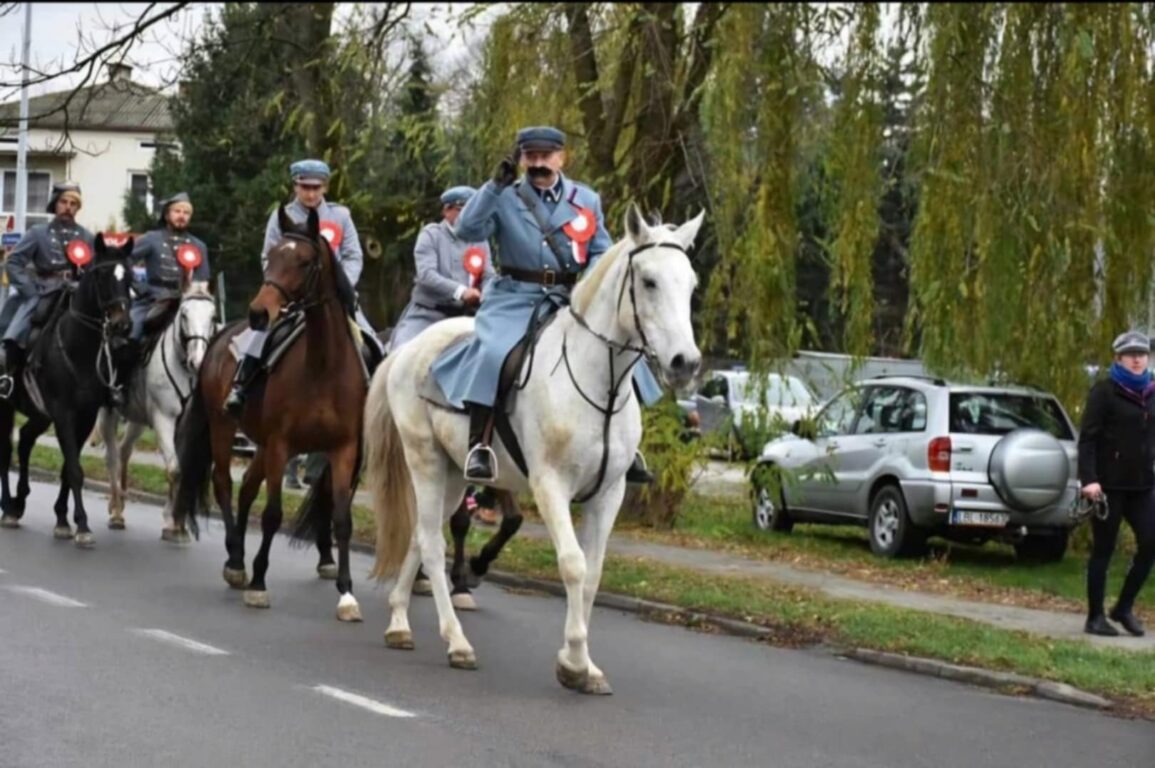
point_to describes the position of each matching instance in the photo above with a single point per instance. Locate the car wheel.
(892, 534)
(1042, 548)
(769, 512)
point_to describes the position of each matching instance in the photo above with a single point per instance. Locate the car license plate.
(969, 517)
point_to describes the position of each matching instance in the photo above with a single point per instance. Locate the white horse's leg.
(573, 660)
(164, 426)
(598, 516)
(108, 422)
(438, 493)
(400, 635)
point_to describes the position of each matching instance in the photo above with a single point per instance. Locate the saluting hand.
(506, 172)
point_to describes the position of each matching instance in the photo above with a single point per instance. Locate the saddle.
(160, 314)
(289, 327)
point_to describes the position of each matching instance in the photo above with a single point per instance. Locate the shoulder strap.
(530, 200)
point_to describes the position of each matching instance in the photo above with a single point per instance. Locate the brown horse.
(312, 401)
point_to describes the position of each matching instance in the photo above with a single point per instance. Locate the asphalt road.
(136, 653)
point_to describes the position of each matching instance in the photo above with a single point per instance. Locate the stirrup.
(492, 464)
(7, 384)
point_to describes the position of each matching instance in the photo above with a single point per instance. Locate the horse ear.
(314, 224)
(688, 232)
(100, 247)
(283, 220)
(127, 247)
(636, 226)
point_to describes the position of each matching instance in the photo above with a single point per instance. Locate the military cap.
(309, 169)
(541, 137)
(457, 195)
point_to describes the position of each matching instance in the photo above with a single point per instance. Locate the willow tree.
(855, 160)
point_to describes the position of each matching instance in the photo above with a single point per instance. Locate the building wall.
(101, 162)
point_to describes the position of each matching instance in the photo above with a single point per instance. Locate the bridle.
(310, 287)
(106, 373)
(613, 349)
(183, 340)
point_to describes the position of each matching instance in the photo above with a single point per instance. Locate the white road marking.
(182, 642)
(376, 707)
(45, 596)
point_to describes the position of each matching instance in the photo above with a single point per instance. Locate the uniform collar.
(551, 195)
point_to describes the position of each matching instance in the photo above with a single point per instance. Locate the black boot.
(1129, 621)
(638, 473)
(246, 369)
(1098, 625)
(481, 463)
(7, 383)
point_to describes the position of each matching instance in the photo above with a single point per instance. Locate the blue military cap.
(457, 195)
(309, 169)
(541, 137)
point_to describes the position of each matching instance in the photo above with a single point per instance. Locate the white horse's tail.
(389, 481)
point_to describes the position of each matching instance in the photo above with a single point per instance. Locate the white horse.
(576, 419)
(155, 398)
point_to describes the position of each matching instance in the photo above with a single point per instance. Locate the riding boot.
(481, 463)
(7, 383)
(246, 369)
(638, 472)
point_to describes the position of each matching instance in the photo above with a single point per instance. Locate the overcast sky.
(62, 32)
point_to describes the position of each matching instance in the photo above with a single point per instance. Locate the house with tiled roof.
(102, 136)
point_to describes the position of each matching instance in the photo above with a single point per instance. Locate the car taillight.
(938, 454)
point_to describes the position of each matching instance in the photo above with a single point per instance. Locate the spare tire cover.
(1029, 469)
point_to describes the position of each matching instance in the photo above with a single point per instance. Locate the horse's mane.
(590, 285)
(198, 288)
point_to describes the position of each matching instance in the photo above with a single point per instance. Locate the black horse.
(70, 364)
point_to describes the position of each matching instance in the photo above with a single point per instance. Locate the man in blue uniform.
(310, 182)
(155, 254)
(38, 267)
(548, 229)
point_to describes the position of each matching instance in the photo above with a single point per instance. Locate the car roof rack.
(936, 380)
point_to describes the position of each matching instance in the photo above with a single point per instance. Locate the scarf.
(1138, 384)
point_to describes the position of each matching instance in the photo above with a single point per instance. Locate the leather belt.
(548, 277)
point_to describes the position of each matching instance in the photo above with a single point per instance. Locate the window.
(780, 391)
(138, 185)
(997, 413)
(838, 415)
(39, 189)
(889, 410)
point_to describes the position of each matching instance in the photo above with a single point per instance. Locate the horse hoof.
(582, 682)
(463, 659)
(116, 524)
(62, 532)
(399, 640)
(182, 537)
(348, 609)
(85, 540)
(256, 598)
(327, 571)
(463, 601)
(9, 522)
(236, 578)
(423, 587)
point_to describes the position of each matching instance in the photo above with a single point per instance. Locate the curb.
(1000, 681)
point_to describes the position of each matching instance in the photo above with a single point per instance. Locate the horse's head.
(294, 272)
(197, 322)
(105, 286)
(653, 301)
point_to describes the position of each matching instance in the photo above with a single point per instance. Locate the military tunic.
(155, 254)
(440, 281)
(468, 371)
(37, 266)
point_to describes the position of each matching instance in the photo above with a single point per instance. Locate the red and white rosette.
(580, 230)
(331, 231)
(189, 256)
(78, 252)
(475, 264)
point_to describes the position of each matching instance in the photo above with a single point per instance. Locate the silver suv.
(910, 457)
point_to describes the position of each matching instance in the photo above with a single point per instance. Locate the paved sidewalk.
(723, 479)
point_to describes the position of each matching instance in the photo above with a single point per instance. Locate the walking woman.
(1115, 459)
